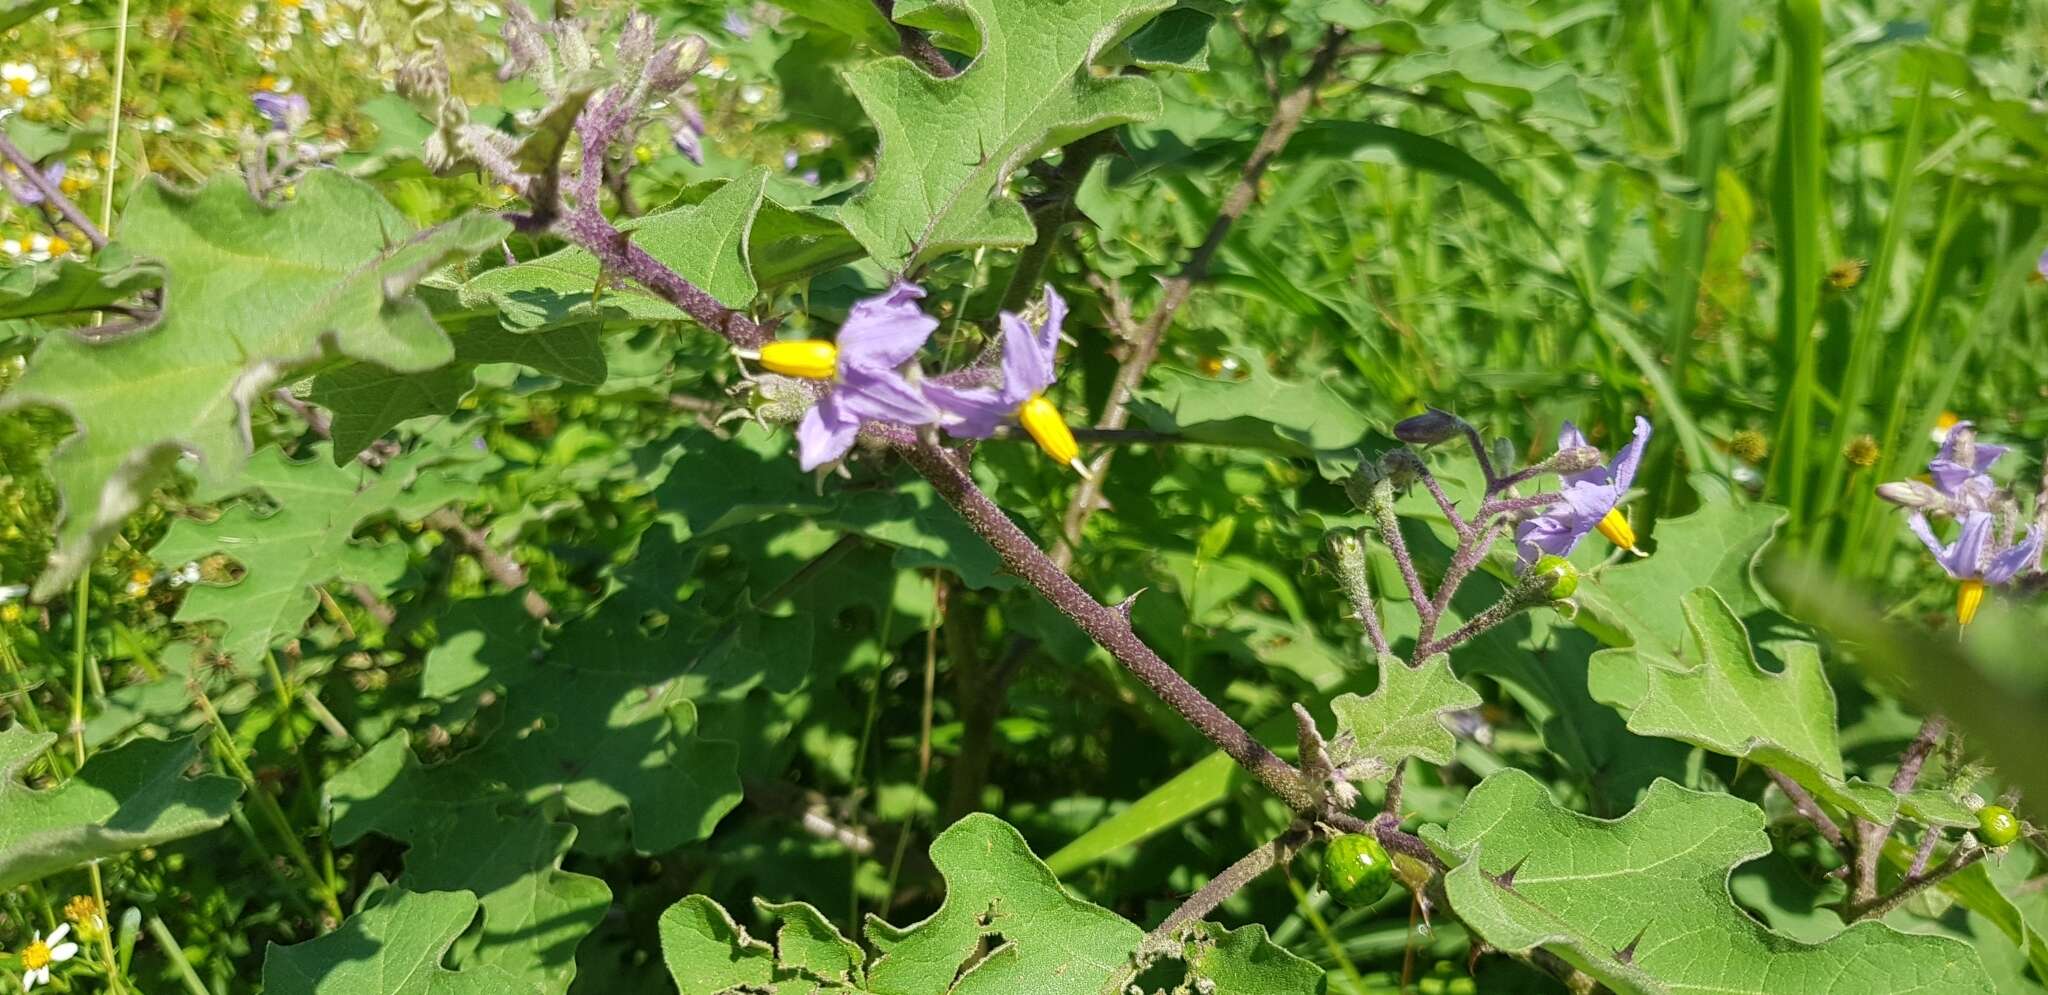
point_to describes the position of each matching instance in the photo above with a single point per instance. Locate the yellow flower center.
(19, 85)
(812, 359)
(1617, 530)
(58, 246)
(1969, 595)
(36, 957)
(1041, 420)
(10, 614)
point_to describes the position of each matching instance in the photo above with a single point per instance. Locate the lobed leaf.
(1402, 718)
(124, 799)
(394, 947)
(251, 292)
(949, 145)
(1718, 698)
(1641, 903)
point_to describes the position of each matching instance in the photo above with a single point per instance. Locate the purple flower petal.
(2007, 564)
(1546, 534)
(1956, 480)
(825, 434)
(970, 412)
(1918, 524)
(884, 331)
(881, 395)
(1631, 456)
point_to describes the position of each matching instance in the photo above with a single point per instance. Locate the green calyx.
(1997, 825)
(1356, 870)
(1564, 577)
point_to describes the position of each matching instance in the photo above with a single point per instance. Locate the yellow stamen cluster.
(1041, 420)
(1861, 451)
(36, 956)
(1969, 597)
(85, 913)
(811, 359)
(1618, 531)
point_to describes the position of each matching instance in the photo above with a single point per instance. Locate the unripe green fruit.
(1998, 825)
(1565, 580)
(1356, 870)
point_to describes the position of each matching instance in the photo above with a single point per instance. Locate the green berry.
(1356, 870)
(1998, 824)
(1564, 577)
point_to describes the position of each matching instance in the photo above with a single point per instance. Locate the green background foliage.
(441, 612)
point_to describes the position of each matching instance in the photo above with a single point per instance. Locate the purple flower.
(737, 24)
(25, 192)
(1028, 353)
(284, 111)
(1975, 559)
(1028, 356)
(880, 335)
(1975, 555)
(1587, 502)
(1962, 468)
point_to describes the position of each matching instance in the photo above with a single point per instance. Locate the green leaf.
(1718, 698)
(706, 243)
(534, 912)
(1203, 784)
(251, 292)
(124, 799)
(1006, 926)
(1303, 418)
(1717, 546)
(306, 543)
(394, 947)
(75, 286)
(1176, 39)
(17, 11)
(859, 20)
(790, 243)
(1245, 960)
(368, 400)
(1641, 903)
(949, 144)
(1401, 718)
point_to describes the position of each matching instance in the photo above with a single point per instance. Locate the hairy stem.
(1958, 859)
(1107, 626)
(916, 46)
(1287, 118)
(1870, 836)
(1247, 869)
(1806, 806)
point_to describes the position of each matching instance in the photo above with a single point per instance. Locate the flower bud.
(1343, 549)
(1861, 451)
(1749, 446)
(1911, 494)
(1402, 467)
(1562, 577)
(1363, 483)
(1429, 428)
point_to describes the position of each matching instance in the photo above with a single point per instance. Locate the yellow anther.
(58, 246)
(1617, 530)
(36, 956)
(812, 359)
(1969, 595)
(1042, 421)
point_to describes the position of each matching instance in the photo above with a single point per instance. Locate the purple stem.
(1493, 484)
(51, 194)
(1468, 557)
(1511, 506)
(1107, 626)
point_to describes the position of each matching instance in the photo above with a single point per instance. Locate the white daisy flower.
(39, 248)
(41, 953)
(11, 247)
(21, 82)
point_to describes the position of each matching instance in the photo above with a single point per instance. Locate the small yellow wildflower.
(1861, 451)
(1846, 274)
(138, 581)
(84, 911)
(1942, 423)
(1749, 446)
